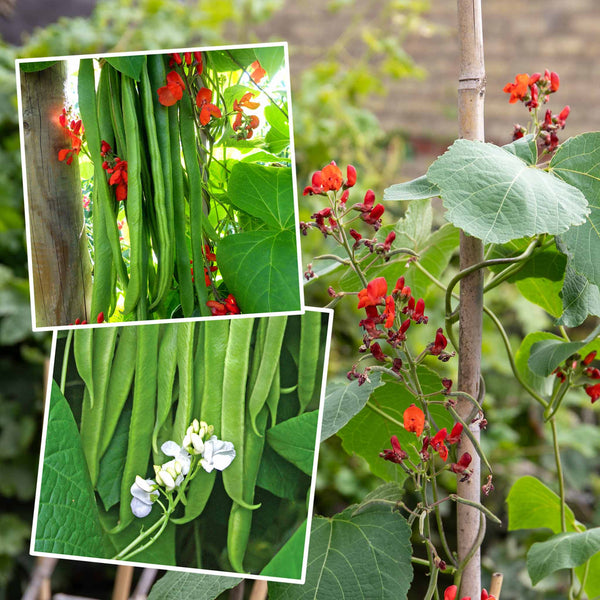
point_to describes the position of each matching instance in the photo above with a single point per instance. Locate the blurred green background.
(372, 84)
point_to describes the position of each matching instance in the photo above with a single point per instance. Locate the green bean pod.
(139, 444)
(83, 344)
(310, 340)
(269, 362)
(185, 368)
(167, 365)
(103, 283)
(157, 74)
(190, 154)
(199, 369)
(216, 338)
(240, 518)
(105, 125)
(274, 395)
(119, 383)
(134, 197)
(198, 493)
(92, 416)
(233, 404)
(116, 110)
(88, 108)
(182, 257)
(164, 249)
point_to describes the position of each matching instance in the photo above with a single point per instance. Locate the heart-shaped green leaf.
(68, 521)
(260, 269)
(263, 192)
(281, 477)
(278, 137)
(295, 440)
(495, 196)
(532, 505)
(364, 556)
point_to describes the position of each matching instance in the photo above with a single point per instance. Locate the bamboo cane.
(471, 92)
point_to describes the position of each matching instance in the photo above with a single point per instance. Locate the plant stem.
(124, 553)
(439, 522)
(560, 475)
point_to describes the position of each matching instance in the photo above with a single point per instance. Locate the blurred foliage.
(333, 120)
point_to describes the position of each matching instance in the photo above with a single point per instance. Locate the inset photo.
(159, 186)
(188, 445)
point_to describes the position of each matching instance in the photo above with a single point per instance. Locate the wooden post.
(59, 259)
(471, 92)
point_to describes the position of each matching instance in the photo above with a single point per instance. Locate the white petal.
(140, 509)
(207, 466)
(170, 448)
(197, 443)
(223, 456)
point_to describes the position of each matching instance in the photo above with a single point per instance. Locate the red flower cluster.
(575, 367)
(243, 124)
(330, 179)
(257, 72)
(451, 592)
(74, 129)
(117, 169)
(189, 58)
(172, 92)
(532, 90)
(228, 307)
(207, 108)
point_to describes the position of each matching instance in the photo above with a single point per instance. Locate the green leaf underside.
(33, 67)
(546, 355)
(562, 551)
(271, 59)
(128, 65)
(68, 520)
(260, 269)
(580, 298)
(494, 196)
(343, 401)
(532, 505)
(577, 162)
(295, 440)
(414, 229)
(388, 494)
(524, 148)
(363, 557)
(417, 189)
(263, 192)
(288, 561)
(368, 433)
(191, 586)
(538, 382)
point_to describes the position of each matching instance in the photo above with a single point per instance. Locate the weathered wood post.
(59, 260)
(471, 92)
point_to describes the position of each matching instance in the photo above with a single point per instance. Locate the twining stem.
(560, 475)
(125, 552)
(440, 523)
(474, 548)
(476, 505)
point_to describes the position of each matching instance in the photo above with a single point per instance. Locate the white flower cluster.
(215, 454)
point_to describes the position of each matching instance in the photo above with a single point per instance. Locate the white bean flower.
(179, 455)
(217, 454)
(144, 494)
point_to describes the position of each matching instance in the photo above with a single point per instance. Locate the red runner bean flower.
(414, 419)
(396, 454)
(169, 94)
(207, 108)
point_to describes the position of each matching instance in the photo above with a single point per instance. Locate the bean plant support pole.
(60, 264)
(471, 92)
